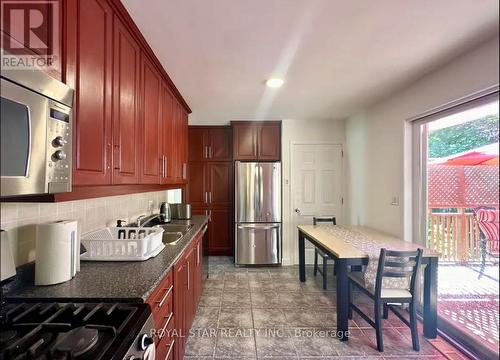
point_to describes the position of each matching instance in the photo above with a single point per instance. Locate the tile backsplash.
(20, 219)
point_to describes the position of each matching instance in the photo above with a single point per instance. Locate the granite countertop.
(120, 281)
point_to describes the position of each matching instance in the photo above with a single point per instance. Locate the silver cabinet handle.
(206, 197)
(198, 254)
(210, 197)
(184, 171)
(162, 331)
(210, 152)
(205, 152)
(170, 349)
(189, 275)
(169, 290)
(164, 166)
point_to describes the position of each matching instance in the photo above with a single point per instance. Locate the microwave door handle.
(30, 142)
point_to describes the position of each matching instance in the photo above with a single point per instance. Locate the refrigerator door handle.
(259, 227)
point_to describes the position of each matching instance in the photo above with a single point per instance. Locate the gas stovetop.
(70, 330)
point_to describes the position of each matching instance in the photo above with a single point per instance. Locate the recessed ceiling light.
(275, 82)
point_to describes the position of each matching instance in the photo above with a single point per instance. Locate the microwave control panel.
(59, 147)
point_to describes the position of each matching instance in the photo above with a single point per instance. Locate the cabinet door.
(245, 142)
(184, 147)
(126, 117)
(151, 126)
(180, 142)
(180, 271)
(18, 41)
(219, 184)
(196, 189)
(90, 72)
(190, 295)
(198, 144)
(269, 143)
(198, 284)
(220, 144)
(167, 122)
(220, 240)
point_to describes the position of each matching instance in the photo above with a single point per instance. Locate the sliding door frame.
(419, 148)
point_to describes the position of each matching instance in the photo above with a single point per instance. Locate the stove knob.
(145, 341)
(59, 141)
(59, 155)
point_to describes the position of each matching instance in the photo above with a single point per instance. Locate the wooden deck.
(469, 303)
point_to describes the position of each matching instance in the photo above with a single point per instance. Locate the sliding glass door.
(456, 156)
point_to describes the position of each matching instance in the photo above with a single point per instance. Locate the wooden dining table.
(348, 257)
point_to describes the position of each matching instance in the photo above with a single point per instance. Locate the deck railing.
(454, 235)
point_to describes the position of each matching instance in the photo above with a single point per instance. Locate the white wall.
(297, 131)
(378, 160)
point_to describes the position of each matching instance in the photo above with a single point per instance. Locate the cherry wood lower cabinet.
(220, 230)
(175, 300)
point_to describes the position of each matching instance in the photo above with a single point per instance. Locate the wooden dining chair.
(393, 267)
(318, 252)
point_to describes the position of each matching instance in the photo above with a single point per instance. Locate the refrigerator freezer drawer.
(258, 244)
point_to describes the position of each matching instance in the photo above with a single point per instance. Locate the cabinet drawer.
(159, 293)
(165, 348)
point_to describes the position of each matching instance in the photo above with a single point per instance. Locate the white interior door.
(316, 184)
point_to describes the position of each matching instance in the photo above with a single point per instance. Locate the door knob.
(297, 211)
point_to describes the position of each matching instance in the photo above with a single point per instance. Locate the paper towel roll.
(57, 252)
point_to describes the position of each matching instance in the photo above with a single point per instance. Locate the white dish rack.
(122, 244)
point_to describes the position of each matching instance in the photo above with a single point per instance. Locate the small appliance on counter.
(181, 211)
(57, 252)
(165, 212)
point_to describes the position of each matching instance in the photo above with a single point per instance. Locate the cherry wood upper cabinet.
(198, 143)
(220, 146)
(269, 141)
(210, 143)
(257, 140)
(126, 117)
(245, 145)
(180, 143)
(151, 123)
(90, 72)
(167, 122)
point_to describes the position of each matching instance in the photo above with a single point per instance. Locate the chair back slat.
(396, 264)
(401, 264)
(401, 254)
(324, 219)
(393, 274)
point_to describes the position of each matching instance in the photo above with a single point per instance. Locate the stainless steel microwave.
(36, 134)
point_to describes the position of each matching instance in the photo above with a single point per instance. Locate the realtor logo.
(31, 34)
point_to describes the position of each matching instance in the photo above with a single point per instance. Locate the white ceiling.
(336, 56)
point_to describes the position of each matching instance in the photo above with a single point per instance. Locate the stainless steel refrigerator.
(258, 213)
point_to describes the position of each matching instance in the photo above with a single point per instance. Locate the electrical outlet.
(395, 201)
(151, 205)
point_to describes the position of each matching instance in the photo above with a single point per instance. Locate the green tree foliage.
(463, 137)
